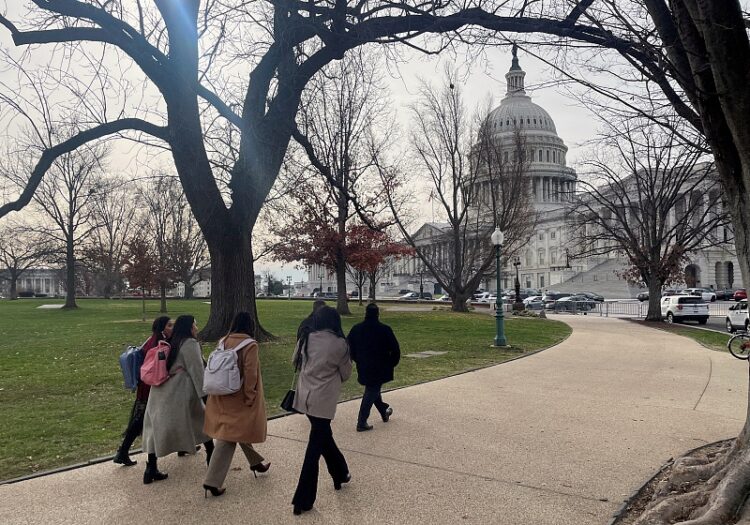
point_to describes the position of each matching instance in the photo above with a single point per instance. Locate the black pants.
(321, 443)
(135, 425)
(371, 397)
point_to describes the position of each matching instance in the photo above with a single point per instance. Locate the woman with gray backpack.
(236, 408)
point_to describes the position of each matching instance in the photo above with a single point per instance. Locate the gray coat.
(173, 421)
(326, 366)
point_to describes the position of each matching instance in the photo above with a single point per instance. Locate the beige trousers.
(221, 460)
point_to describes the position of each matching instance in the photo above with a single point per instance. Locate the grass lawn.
(710, 339)
(61, 394)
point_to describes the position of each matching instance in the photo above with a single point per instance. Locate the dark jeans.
(371, 397)
(321, 443)
(135, 425)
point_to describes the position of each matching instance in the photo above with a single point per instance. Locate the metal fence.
(629, 309)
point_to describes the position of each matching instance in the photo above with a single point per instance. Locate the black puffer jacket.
(375, 349)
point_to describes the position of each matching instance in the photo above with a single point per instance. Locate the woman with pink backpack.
(235, 411)
(173, 421)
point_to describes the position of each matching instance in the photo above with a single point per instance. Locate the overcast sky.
(480, 78)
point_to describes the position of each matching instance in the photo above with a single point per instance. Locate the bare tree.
(65, 198)
(651, 198)
(479, 181)
(342, 128)
(113, 214)
(21, 248)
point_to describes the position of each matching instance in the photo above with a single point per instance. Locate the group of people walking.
(176, 416)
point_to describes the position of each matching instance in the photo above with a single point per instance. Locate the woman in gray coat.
(174, 415)
(322, 358)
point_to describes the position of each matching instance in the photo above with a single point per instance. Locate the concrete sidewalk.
(561, 437)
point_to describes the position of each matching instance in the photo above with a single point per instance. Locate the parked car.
(404, 292)
(725, 294)
(534, 302)
(354, 293)
(475, 296)
(575, 303)
(549, 298)
(670, 291)
(414, 296)
(444, 299)
(593, 296)
(488, 297)
(679, 308)
(326, 295)
(737, 318)
(643, 296)
(740, 294)
(704, 293)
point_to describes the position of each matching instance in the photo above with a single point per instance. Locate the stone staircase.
(601, 279)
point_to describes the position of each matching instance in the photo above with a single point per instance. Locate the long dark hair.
(243, 323)
(157, 328)
(324, 318)
(327, 318)
(182, 331)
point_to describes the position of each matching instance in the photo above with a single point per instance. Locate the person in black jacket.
(375, 349)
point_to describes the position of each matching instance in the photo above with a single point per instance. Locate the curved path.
(561, 437)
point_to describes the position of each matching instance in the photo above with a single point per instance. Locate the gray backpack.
(222, 374)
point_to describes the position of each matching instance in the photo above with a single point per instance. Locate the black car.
(643, 296)
(726, 294)
(593, 296)
(550, 297)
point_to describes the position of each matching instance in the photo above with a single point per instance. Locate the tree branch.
(51, 154)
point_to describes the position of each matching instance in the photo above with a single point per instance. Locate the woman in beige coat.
(322, 358)
(239, 417)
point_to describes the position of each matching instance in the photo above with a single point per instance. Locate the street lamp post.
(320, 290)
(517, 263)
(497, 240)
(289, 283)
(421, 283)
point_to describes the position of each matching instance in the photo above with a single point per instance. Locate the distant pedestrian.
(308, 324)
(375, 349)
(174, 414)
(239, 417)
(161, 329)
(322, 357)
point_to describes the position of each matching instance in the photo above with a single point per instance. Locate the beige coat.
(173, 421)
(239, 417)
(326, 366)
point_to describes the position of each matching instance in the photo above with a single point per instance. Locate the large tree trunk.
(654, 300)
(459, 302)
(13, 285)
(232, 284)
(189, 288)
(70, 274)
(372, 286)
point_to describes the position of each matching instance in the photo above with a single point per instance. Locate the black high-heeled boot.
(215, 492)
(346, 479)
(152, 472)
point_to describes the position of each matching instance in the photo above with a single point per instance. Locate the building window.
(547, 155)
(541, 256)
(552, 234)
(541, 236)
(505, 156)
(553, 256)
(540, 155)
(541, 281)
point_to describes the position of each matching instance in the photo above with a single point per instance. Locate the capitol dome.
(517, 109)
(552, 181)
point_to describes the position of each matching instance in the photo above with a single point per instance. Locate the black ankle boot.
(122, 458)
(152, 473)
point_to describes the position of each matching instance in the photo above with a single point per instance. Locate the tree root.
(708, 490)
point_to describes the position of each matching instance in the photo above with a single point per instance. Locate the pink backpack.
(154, 369)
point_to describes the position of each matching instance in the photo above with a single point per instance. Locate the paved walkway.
(561, 437)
